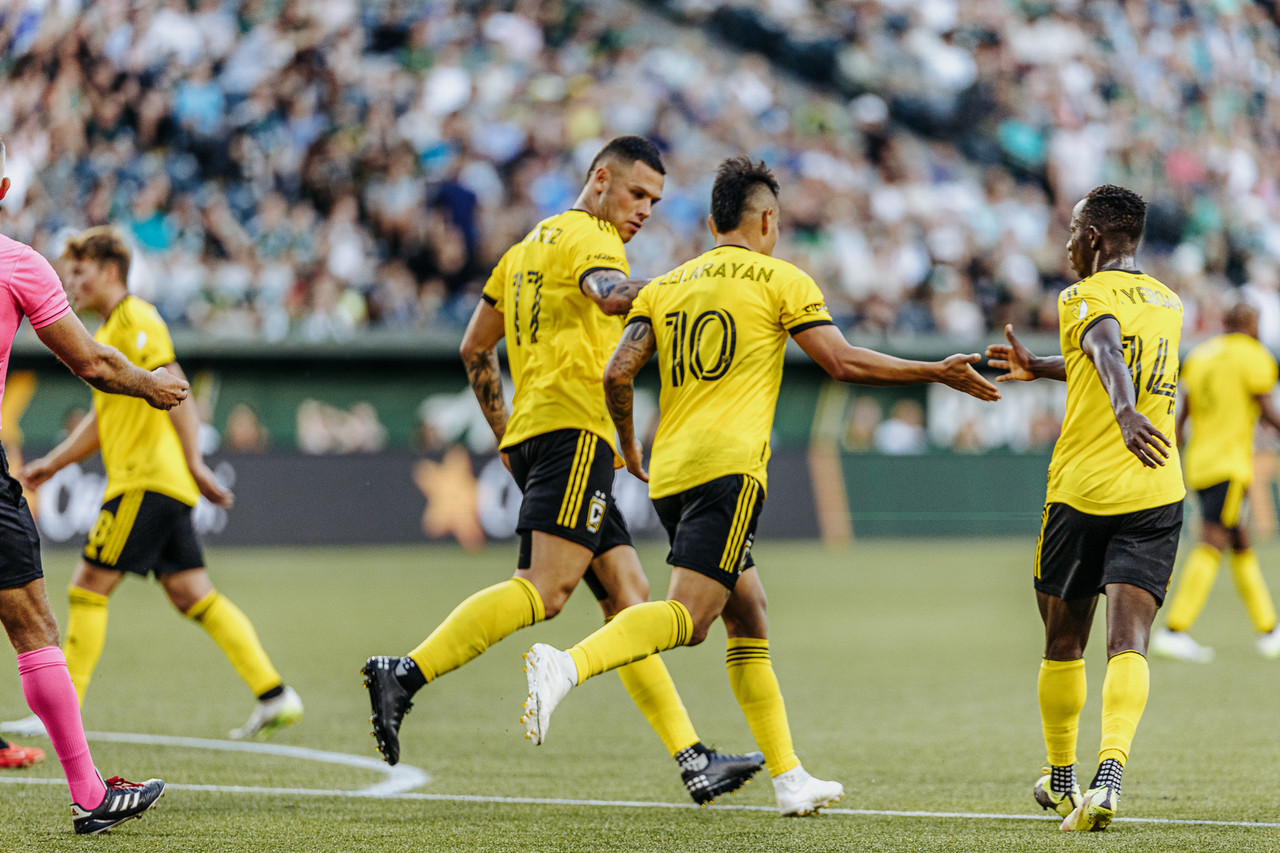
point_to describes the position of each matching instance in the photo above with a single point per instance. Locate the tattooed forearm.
(612, 291)
(486, 381)
(634, 351)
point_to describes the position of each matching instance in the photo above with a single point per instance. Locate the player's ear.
(711, 225)
(4, 187)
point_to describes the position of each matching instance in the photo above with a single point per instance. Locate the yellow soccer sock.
(1124, 697)
(1198, 575)
(476, 624)
(654, 693)
(1062, 689)
(756, 688)
(86, 636)
(1253, 590)
(234, 634)
(635, 633)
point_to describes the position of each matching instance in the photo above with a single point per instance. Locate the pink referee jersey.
(28, 288)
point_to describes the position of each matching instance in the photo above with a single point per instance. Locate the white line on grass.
(403, 777)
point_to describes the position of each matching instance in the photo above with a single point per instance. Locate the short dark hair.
(736, 179)
(1115, 210)
(102, 244)
(629, 149)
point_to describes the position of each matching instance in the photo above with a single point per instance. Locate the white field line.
(402, 778)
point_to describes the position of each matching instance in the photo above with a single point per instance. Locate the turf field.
(909, 670)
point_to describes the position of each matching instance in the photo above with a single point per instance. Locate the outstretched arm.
(1101, 343)
(847, 363)
(633, 352)
(106, 369)
(612, 290)
(79, 445)
(1020, 364)
(479, 353)
(1267, 411)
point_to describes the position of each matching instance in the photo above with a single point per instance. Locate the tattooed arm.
(612, 290)
(634, 351)
(479, 355)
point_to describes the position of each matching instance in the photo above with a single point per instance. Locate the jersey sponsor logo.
(601, 256)
(814, 308)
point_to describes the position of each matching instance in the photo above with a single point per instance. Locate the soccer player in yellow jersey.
(1113, 509)
(719, 325)
(1227, 383)
(557, 298)
(155, 475)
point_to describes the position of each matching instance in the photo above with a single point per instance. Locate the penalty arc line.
(402, 778)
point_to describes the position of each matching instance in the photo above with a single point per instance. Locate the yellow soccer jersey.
(1092, 471)
(721, 322)
(1223, 377)
(140, 447)
(558, 339)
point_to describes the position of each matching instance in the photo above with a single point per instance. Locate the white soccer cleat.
(799, 793)
(30, 726)
(1179, 646)
(1269, 643)
(271, 715)
(551, 674)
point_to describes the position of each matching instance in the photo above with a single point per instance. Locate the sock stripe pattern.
(755, 686)
(582, 459)
(741, 522)
(683, 623)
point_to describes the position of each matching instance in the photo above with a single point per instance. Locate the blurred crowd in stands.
(319, 168)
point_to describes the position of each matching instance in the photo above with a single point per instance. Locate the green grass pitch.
(909, 669)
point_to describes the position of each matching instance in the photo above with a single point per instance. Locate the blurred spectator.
(330, 169)
(902, 433)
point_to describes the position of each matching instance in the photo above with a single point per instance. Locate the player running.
(556, 297)
(719, 326)
(155, 475)
(1227, 383)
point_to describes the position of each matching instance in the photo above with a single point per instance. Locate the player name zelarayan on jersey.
(745, 271)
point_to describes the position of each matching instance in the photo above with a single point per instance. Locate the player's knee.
(553, 601)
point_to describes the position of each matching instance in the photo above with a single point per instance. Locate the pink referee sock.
(50, 693)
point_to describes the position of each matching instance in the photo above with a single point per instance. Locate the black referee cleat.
(390, 703)
(707, 774)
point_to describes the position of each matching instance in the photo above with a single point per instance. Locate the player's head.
(4, 182)
(1105, 225)
(1242, 317)
(624, 183)
(99, 267)
(744, 201)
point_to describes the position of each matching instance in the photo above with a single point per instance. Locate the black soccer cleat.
(390, 703)
(707, 774)
(124, 801)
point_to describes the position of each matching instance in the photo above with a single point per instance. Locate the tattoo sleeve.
(633, 352)
(612, 290)
(486, 381)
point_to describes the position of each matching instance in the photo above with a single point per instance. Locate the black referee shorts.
(19, 539)
(1079, 554)
(144, 532)
(712, 526)
(566, 477)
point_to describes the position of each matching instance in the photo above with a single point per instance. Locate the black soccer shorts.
(566, 477)
(1223, 503)
(144, 532)
(712, 526)
(1079, 554)
(19, 538)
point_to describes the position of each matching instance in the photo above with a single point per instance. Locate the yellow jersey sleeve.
(801, 304)
(1080, 307)
(642, 307)
(493, 292)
